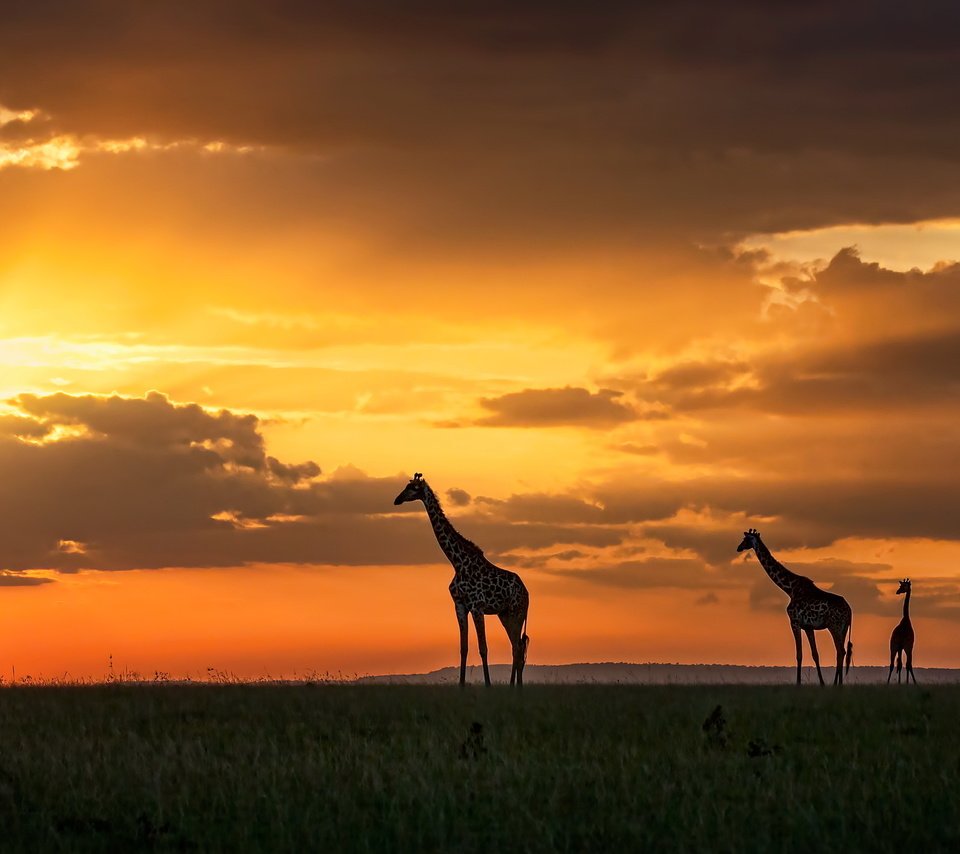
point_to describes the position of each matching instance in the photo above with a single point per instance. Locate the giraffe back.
(813, 608)
(483, 587)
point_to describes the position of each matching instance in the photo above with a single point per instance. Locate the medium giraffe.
(810, 608)
(478, 587)
(901, 640)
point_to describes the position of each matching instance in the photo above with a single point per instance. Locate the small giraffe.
(901, 640)
(478, 587)
(810, 608)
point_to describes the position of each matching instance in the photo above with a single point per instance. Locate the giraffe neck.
(906, 606)
(779, 574)
(447, 536)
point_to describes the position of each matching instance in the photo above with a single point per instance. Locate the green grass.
(570, 768)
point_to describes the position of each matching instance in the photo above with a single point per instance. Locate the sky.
(621, 280)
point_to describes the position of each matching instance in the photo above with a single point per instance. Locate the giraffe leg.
(838, 642)
(910, 667)
(462, 620)
(796, 640)
(514, 629)
(811, 638)
(893, 656)
(899, 664)
(482, 643)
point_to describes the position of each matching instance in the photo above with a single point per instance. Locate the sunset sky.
(620, 279)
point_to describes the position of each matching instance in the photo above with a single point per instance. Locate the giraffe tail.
(849, 648)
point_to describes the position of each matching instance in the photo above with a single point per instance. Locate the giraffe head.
(413, 491)
(750, 540)
(904, 586)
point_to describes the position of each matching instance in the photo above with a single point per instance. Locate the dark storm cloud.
(153, 422)
(458, 497)
(937, 598)
(889, 303)
(134, 469)
(103, 495)
(8, 579)
(292, 473)
(847, 271)
(861, 583)
(146, 483)
(923, 370)
(17, 425)
(832, 568)
(692, 116)
(815, 510)
(541, 560)
(696, 375)
(747, 66)
(712, 546)
(557, 407)
(905, 354)
(20, 131)
(543, 507)
(812, 510)
(888, 375)
(497, 538)
(652, 573)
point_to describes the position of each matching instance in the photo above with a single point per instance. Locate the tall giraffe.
(810, 608)
(901, 640)
(478, 587)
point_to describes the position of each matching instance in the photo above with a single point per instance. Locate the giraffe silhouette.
(478, 587)
(902, 637)
(809, 609)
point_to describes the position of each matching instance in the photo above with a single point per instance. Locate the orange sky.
(626, 286)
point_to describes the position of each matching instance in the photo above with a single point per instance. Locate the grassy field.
(570, 768)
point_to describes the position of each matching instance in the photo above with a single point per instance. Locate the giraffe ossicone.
(478, 587)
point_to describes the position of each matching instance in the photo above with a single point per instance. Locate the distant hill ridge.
(613, 673)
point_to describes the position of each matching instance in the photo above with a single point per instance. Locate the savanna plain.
(433, 768)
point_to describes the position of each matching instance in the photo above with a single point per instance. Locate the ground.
(421, 768)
